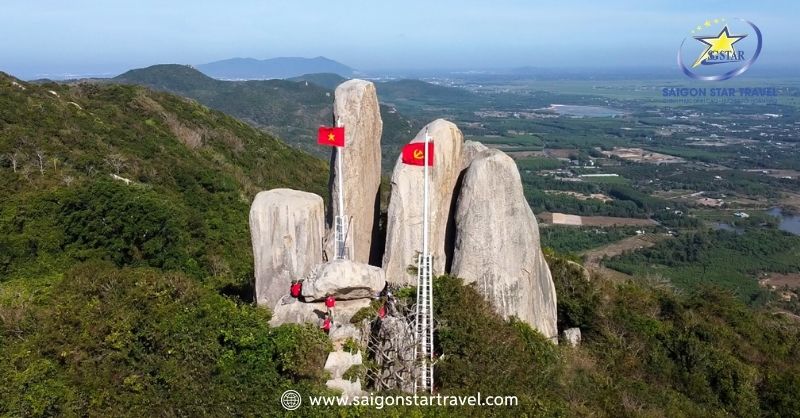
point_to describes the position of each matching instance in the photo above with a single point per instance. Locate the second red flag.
(413, 153)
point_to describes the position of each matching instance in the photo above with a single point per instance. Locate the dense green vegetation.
(647, 350)
(192, 173)
(574, 239)
(139, 342)
(728, 259)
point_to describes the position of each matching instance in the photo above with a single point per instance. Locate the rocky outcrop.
(287, 229)
(337, 364)
(344, 280)
(497, 243)
(356, 108)
(571, 336)
(392, 347)
(404, 221)
(296, 312)
(471, 149)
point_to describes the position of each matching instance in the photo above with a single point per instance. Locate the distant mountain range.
(284, 67)
(291, 109)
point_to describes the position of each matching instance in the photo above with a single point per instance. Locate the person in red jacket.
(296, 289)
(326, 324)
(330, 303)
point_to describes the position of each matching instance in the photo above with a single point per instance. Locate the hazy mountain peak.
(281, 67)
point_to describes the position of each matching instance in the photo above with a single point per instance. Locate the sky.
(87, 37)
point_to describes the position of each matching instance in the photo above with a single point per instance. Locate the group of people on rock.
(387, 308)
(296, 289)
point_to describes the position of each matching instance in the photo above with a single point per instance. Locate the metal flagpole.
(425, 207)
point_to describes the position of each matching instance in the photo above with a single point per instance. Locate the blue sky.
(39, 37)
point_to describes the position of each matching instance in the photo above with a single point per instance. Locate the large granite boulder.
(287, 228)
(343, 279)
(497, 243)
(404, 221)
(356, 108)
(296, 312)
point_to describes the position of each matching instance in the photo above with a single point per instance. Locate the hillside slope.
(292, 110)
(195, 166)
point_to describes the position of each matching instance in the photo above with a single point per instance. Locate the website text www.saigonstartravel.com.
(292, 400)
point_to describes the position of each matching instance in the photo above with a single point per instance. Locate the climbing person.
(326, 324)
(296, 289)
(330, 303)
(382, 311)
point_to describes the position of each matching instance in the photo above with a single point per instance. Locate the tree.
(15, 158)
(40, 157)
(117, 162)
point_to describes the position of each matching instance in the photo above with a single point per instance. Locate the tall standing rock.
(497, 243)
(356, 108)
(404, 220)
(287, 227)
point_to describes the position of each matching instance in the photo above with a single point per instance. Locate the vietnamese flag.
(413, 153)
(331, 136)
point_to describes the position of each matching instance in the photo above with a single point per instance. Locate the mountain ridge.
(291, 109)
(279, 67)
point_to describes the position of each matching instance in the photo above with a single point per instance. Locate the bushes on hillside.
(135, 341)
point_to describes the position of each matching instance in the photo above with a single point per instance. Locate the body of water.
(585, 111)
(788, 223)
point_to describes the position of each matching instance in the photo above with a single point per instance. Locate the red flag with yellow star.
(331, 136)
(413, 153)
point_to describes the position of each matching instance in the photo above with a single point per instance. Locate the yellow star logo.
(331, 137)
(722, 43)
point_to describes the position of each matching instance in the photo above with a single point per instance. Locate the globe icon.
(291, 400)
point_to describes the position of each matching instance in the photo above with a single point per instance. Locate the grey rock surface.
(392, 344)
(286, 228)
(572, 336)
(404, 220)
(357, 109)
(344, 280)
(299, 312)
(497, 243)
(471, 149)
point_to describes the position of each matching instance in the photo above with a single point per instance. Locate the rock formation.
(497, 243)
(356, 108)
(404, 224)
(337, 364)
(471, 149)
(287, 228)
(343, 279)
(297, 312)
(572, 336)
(392, 348)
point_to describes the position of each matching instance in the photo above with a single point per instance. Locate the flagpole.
(425, 207)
